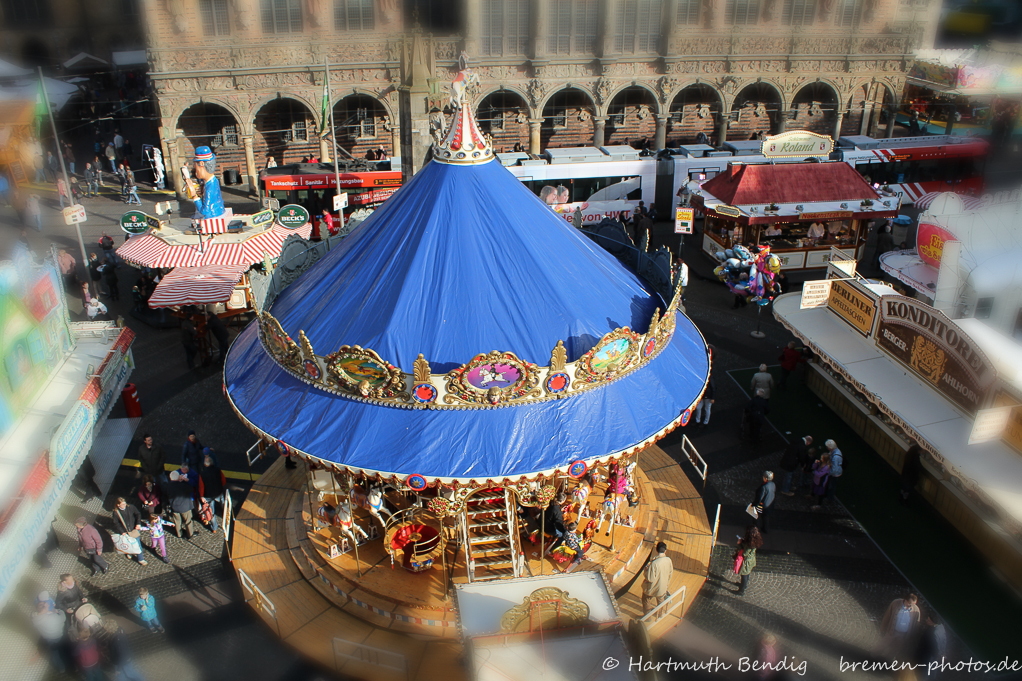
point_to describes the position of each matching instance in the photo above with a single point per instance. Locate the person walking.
(69, 158)
(49, 624)
(158, 535)
(885, 244)
(96, 273)
(69, 594)
(746, 554)
(793, 463)
(90, 542)
(702, 412)
(837, 468)
(33, 213)
(219, 331)
(790, 358)
(97, 166)
(62, 193)
(932, 644)
(191, 452)
(118, 652)
(129, 181)
(106, 242)
(151, 458)
(189, 339)
(764, 500)
(127, 520)
(145, 606)
(755, 414)
(87, 656)
(762, 380)
(656, 583)
(212, 484)
(110, 277)
(111, 157)
(181, 501)
(52, 166)
(821, 476)
(899, 626)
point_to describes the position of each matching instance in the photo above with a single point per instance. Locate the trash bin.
(231, 176)
(132, 407)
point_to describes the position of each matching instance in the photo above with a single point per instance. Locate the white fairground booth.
(901, 372)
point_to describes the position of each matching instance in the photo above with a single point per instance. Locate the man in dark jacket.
(127, 520)
(793, 462)
(755, 414)
(764, 499)
(790, 359)
(151, 457)
(69, 594)
(212, 483)
(219, 331)
(189, 339)
(191, 453)
(182, 503)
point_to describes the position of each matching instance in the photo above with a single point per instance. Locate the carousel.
(464, 382)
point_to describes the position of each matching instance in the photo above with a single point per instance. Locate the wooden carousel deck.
(320, 605)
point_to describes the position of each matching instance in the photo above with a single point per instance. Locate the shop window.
(572, 26)
(281, 16)
(984, 308)
(353, 15)
(688, 11)
(798, 12)
(741, 12)
(560, 120)
(638, 26)
(214, 17)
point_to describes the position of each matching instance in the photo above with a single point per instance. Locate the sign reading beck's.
(935, 349)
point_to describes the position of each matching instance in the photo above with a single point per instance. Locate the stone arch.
(886, 101)
(756, 108)
(642, 85)
(567, 119)
(631, 116)
(362, 122)
(504, 114)
(284, 128)
(216, 125)
(693, 109)
(815, 107)
(311, 104)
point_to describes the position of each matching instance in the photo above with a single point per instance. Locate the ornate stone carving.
(727, 84)
(713, 67)
(536, 90)
(665, 86)
(643, 112)
(176, 9)
(244, 16)
(601, 90)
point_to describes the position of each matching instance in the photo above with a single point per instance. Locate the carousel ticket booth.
(799, 210)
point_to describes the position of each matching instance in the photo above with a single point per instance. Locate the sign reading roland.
(797, 143)
(853, 304)
(293, 216)
(936, 350)
(724, 209)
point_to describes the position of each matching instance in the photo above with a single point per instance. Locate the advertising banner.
(595, 211)
(852, 304)
(930, 243)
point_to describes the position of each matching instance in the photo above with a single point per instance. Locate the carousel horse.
(610, 510)
(371, 501)
(580, 497)
(340, 518)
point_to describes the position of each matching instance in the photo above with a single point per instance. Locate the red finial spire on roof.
(464, 143)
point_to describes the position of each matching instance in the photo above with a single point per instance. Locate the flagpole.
(63, 170)
(334, 146)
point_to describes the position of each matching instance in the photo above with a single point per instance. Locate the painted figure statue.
(211, 203)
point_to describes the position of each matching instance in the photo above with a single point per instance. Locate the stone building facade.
(246, 76)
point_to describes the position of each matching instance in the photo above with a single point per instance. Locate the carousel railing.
(360, 652)
(423, 548)
(264, 603)
(697, 461)
(673, 602)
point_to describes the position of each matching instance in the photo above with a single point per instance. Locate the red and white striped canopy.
(924, 201)
(149, 250)
(197, 285)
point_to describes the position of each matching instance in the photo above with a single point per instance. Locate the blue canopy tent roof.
(465, 260)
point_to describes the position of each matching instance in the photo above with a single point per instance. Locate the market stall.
(901, 373)
(800, 210)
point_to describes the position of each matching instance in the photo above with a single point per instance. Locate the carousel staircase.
(491, 536)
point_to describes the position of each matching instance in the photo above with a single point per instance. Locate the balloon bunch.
(749, 275)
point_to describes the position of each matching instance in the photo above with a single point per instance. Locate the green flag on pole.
(324, 114)
(42, 109)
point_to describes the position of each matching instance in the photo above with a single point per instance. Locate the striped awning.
(924, 201)
(197, 285)
(149, 250)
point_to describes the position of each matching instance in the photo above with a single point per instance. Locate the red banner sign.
(930, 243)
(328, 181)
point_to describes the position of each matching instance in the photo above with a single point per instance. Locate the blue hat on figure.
(204, 154)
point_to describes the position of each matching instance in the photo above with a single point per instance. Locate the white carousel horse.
(610, 510)
(348, 527)
(460, 86)
(372, 502)
(580, 499)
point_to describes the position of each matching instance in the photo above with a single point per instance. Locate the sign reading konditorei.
(853, 304)
(936, 350)
(797, 143)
